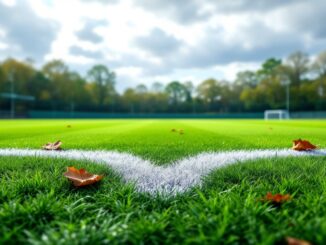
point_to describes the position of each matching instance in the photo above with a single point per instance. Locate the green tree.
(40, 87)
(18, 78)
(79, 95)
(157, 87)
(141, 89)
(2, 87)
(210, 92)
(189, 87)
(296, 67)
(177, 94)
(142, 96)
(58, 74)
(130, 100)
(269, 67)
(268, 94)
(104, 81)
(246, 79)
(2, 79)
(319, 64)
(20, 73)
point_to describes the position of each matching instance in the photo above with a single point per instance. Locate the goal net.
(276, 114)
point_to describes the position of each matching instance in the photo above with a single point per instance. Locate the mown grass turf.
(39, 206)
(154, 140)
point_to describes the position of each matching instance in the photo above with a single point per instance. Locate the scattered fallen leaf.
(181, 131)
(295, 241)
(303, 145)
(276, 199)
(56, 146)
(68, 126)
(173, 130)
(80, 177)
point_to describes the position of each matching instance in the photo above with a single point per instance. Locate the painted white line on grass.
(170, 179)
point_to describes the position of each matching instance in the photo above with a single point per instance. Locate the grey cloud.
(124, 82)
(185, 12)
(75, 50)
(128, 60)
(191, 11)
(34, 35)
(309, 18)
(101, 1)
(264, 41)
(88, 34)
(251, 5)
(148, 68)
(156, 70)
(212, 50)
(158, 43)
(31, 33)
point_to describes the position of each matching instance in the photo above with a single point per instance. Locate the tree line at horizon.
(56, 87)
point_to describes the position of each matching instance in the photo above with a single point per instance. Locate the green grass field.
(39, 206)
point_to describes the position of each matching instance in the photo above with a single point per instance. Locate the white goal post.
(276, 114)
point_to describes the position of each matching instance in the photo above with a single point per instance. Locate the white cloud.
(3, 46)
(230, 70)
(9, 3)
(145, 41)
(2, 33)
(129, 71)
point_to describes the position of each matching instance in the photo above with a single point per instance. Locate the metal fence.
(308, 114)
(8, 114)
(96, 115)
(60, 114)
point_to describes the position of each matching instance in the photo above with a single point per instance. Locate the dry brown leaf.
(80, 177)
(295, 241)
(303, 145)
(68, 126)
(173, 130)
(53, 146)
(276, 199)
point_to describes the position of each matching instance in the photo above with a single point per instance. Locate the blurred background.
(160, 58)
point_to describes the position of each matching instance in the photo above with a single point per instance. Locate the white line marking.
(174, 178)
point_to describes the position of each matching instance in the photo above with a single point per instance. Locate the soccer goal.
(276, 114)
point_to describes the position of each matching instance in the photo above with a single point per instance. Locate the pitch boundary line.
(171, 179)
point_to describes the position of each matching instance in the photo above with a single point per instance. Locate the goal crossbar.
(276, 114)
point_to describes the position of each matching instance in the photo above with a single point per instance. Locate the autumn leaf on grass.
(303, 145)
(181, 131)
(276, 199)
(295, 241)
(173, 130)
(53, 146)
(80, 177)
(68, 126)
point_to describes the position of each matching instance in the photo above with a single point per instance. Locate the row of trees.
(56, 87)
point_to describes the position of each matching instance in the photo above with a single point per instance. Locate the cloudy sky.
(161, 40)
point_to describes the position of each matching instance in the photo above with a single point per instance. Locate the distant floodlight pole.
(286, 82)
(321, 94)
(12, 90)
(288, 96)
(72, 104)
